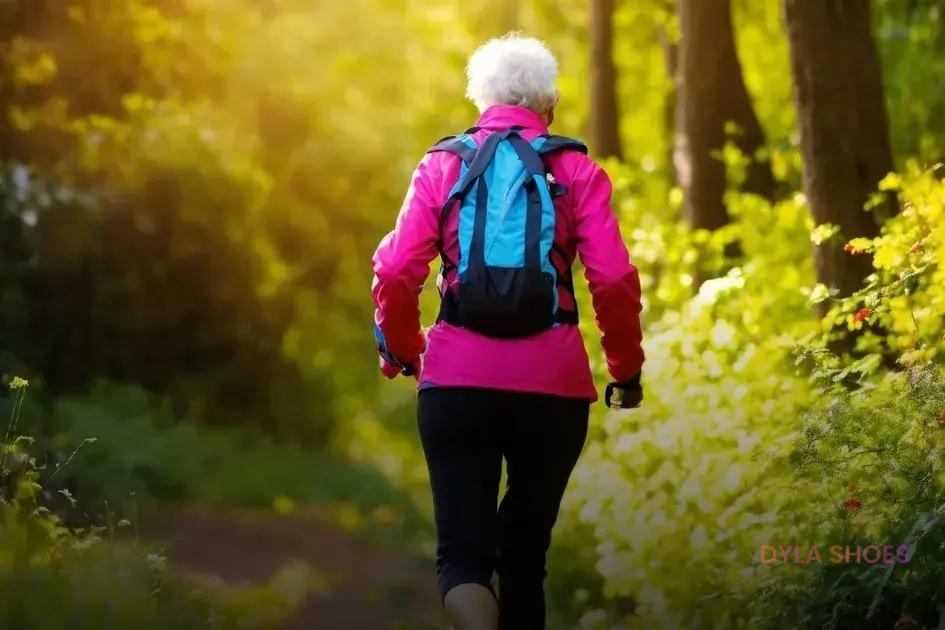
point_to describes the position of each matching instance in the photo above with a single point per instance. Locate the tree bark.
(605, 118)
(844, 130)
(710, 92)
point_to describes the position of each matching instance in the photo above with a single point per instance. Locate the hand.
(624, 394)
(412, 369)
(388, 369)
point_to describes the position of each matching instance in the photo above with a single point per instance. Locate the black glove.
(626, 394)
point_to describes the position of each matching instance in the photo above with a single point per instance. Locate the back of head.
(513, 70)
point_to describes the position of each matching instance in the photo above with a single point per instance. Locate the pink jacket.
(552, 362)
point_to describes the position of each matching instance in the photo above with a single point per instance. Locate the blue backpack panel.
(506, 230)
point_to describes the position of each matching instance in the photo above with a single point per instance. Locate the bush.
(57, 574)
(55, 577)
(869, 469)
(144, 452)
(682, 493)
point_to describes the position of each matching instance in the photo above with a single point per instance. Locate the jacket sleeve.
(401, 265)
(614, 281)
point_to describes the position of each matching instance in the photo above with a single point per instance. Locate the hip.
(553, 362)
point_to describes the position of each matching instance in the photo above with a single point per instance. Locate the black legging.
(465, 433)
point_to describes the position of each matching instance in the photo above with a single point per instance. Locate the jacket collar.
(505, 116)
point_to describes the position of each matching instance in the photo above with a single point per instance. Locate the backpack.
(507, 285)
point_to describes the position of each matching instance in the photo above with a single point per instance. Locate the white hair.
(512, 70)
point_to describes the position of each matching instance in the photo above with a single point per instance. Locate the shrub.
(869, 469)
(681, 493)
(55, 577)
(144, 452)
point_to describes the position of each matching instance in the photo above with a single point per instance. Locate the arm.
(401, 265)
(614, 281)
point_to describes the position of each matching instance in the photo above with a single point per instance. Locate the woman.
(483, 398)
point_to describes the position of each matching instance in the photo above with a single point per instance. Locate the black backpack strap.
(528, 155)
(479, 159)
(560, 143)
(457, 146)
(482, 158)
(475, 175)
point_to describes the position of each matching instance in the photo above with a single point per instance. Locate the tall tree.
(843, 126)
(604, 123)
(710, 92)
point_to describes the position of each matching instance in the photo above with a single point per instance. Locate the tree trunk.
(710, 92)
(605, 119)
(843, 127)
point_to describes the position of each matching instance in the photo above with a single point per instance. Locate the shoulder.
(437, 171)
(450, 149)
(577, 168)
(583, 165)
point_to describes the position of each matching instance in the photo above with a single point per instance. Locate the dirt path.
(368, 589)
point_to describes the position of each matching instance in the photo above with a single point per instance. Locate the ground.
(367, 588)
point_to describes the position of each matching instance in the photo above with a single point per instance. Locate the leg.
(471, 607)
(542, 446)
(458, 432)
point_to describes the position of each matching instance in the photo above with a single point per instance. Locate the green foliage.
(901, 309)
(43, 562)
(195, 216)
(871, 464)
(144, 452)
(675, 489)
(721, 459)
(208, 186)
(97, 573)
(912, 39)
(74, 586)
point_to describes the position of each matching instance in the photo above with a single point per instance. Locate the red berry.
(862, 314)
(853, 504)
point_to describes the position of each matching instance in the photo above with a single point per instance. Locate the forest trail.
(365, 588)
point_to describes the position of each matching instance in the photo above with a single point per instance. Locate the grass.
(143, 454)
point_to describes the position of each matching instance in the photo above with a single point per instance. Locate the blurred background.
(190, 193)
